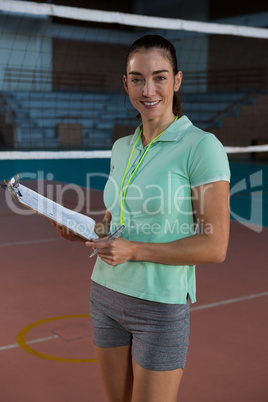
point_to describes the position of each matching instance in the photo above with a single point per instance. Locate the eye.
(136, 80)
(160, 78)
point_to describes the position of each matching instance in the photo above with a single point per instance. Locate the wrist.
(134, 253)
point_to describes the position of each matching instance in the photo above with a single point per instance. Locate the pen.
(116, 233)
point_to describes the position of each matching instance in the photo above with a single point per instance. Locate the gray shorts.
(157, 332)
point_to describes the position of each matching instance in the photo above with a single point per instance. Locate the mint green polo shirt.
(158, 206)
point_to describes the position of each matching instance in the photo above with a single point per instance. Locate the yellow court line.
(22, 334)
(22, 342)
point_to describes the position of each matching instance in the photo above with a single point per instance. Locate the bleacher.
(206, 110)
(94, 115)
(39, 114)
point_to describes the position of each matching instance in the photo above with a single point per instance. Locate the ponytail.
(177, 105)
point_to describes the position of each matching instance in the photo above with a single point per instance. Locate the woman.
(169, 186)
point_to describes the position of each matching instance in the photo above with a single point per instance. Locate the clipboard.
(79, 224)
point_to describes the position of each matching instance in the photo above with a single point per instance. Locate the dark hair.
(158, 42)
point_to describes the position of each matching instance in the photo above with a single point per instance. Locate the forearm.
(193, 250)
(210, 206)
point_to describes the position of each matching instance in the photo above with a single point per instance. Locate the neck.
(151, 129)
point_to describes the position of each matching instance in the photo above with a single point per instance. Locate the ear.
(177, 81)
(125, 83)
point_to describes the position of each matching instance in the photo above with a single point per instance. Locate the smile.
(150, 104)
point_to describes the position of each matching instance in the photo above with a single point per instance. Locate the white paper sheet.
(81, 224)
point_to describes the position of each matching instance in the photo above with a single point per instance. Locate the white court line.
(203, 307)
(16, 345)
(229, 301)
(25, 242)
(32, 155)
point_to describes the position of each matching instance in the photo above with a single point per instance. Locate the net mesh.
(61, 83)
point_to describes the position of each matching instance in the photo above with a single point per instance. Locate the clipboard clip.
(12, 186)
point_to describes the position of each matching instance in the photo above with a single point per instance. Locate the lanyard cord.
(123, 194)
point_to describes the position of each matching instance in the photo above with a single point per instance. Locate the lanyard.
(123, 193)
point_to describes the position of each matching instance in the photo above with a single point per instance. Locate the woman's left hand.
(113, 251)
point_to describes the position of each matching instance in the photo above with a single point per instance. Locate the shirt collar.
(172, 133)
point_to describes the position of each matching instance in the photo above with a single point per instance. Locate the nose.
(148, 89)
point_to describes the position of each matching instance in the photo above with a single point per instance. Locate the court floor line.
(229, 301)
(48, 338)
(202, 307)
(25, 242)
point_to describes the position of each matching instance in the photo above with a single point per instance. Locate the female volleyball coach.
(169, 186)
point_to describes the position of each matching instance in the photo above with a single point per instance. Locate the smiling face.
(150, 84)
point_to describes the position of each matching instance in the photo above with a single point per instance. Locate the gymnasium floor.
(44, 300)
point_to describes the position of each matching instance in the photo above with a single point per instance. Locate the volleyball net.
(61, 74)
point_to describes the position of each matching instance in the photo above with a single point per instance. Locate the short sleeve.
(112, 160)
(114, 154)
(208, 162)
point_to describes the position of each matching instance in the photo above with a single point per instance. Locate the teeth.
(150, 103)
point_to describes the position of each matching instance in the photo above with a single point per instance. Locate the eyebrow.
(154, 73)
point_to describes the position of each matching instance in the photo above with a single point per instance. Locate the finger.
(106, 259)
(104, 252)
(95, 244)
(98, 243)
(62, 231)
(90, 245)
(109, 261)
